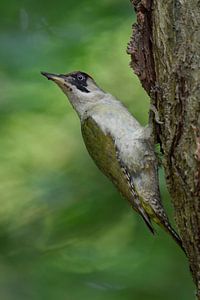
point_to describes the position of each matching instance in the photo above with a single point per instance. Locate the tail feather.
(174, 235)
(165, 225)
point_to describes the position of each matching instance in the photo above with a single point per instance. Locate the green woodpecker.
(119, 145)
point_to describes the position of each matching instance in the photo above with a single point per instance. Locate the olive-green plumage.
(119, 145)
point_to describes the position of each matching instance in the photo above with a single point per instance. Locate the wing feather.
(104, 152)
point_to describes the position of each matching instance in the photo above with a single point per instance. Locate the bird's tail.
(168, 228)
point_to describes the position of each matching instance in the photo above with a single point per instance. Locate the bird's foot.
(155, 111)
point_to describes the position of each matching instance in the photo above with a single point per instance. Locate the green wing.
(103, 151)
(101, 148)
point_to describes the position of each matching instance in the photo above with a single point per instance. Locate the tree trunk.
(165, 54)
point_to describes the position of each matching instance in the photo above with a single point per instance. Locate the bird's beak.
(61, 80)
(55, 77)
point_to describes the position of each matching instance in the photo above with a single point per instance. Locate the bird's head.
(81, 90)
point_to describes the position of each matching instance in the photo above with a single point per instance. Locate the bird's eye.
(80, 77)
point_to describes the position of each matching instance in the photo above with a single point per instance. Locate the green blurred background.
(65, 232)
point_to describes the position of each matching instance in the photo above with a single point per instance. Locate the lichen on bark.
(165, 54)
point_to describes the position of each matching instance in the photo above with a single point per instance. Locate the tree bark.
(165, 54)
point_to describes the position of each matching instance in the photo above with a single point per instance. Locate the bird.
(119, 145)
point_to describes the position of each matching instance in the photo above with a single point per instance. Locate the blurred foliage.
(65, 232)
